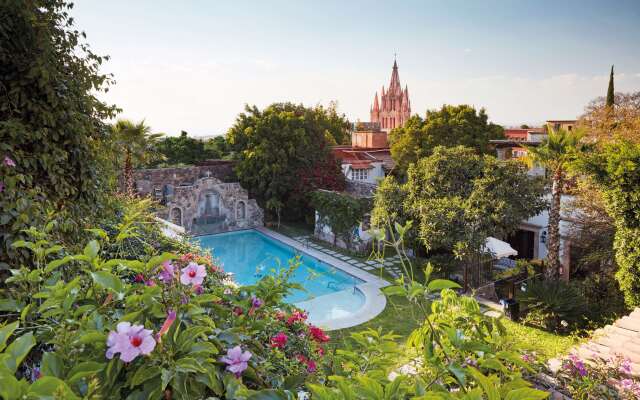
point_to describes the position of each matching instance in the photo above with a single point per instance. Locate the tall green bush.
(51, 122)
(616, 169)
(341, 212)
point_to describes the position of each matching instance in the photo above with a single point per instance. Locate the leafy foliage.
(552, 302)
(459, 352)
(63, 309)
(460, 125)
(51, 122)
(283, 155)
(458, 198)
(341, 212)
(185, 150)
(616, 169)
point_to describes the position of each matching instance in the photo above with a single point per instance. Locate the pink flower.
(130, 341)
(311, 366)
(296, 317)
(236, 360)
(8, 162)
(318, 334)
(171, 316)
(625, 366)
(198, 289)
(139, 278)
(193, 274)
(167, 273)
(279, 340)
(256, 302)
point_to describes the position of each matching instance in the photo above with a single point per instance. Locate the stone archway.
(241, 210)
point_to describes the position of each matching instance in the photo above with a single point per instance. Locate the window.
(360, 174)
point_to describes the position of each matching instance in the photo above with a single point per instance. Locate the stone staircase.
(620, 338)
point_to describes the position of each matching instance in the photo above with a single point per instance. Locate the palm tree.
(139, 146)
(556, 153)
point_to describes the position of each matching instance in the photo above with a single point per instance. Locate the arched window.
(176, 216)
(240, 210)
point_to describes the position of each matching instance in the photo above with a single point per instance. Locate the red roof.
(520, 134)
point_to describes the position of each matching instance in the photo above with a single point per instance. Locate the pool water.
(249, 255)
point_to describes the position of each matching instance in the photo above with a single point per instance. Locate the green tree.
(616, 169)
(217, 147)
(610, 91)
(51, 121)
(341, 212)
(283, 156)
(183, 150)
(139, 145)
(449, 126)
(457, 198)
(556, 153)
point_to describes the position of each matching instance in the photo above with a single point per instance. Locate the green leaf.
(458, 373)
(99, 233)
(53, 265)
(53, 249)
(9, 386)
(271, 394)
(485, 383)
(17, 351)
(143, 374)
(9, 305)
(188, 364)
(84, 369)
(157, 260)
(91, 250)
(93, 337)
(437, 285)
(51, 365)
(108, 281)
(51, 388)
(5, 332)
(526, 394)
(394, 291)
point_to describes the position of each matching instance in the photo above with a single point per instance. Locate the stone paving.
(390, 264)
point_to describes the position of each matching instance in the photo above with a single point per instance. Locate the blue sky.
(193, 65)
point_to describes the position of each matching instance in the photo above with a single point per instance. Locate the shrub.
(552, 304)
(83, 325)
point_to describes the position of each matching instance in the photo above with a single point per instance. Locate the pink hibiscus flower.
(193, 274)
(130, 341)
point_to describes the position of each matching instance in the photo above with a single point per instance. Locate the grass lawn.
(400, 317)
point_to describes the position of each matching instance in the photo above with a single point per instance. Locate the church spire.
(376, 106)
(394, 86)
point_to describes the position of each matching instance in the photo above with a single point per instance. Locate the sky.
(193, 65)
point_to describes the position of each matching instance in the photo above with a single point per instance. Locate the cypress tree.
(610, 97)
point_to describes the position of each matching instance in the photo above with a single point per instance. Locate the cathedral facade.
(394, 107)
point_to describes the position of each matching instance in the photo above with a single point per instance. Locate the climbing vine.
(341, 212)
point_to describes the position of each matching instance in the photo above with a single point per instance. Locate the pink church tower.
(394, 108)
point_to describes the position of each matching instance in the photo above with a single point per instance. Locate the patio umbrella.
(498, 248)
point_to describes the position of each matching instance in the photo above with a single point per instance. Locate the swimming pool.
(330, 293)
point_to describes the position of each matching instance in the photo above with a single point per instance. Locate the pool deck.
(375, 300)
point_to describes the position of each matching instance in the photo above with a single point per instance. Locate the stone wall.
(152, 181)
(212, 206)
(360, 189)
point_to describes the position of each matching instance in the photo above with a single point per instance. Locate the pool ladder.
(334, 285)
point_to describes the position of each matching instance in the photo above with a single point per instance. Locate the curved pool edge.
(375, 301)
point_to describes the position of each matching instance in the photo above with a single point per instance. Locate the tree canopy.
(284, 154)
(449, 126)
(185, 150)
(51, 122)
(456, 198)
